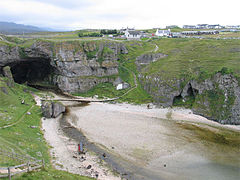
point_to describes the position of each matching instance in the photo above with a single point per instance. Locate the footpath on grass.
(23, 115)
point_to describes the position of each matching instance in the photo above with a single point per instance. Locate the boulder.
(52, 109)
(47, 110)
(58, 108)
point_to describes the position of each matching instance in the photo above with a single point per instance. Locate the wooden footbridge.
(84, 100)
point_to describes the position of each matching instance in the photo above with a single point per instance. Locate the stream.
(188, 151)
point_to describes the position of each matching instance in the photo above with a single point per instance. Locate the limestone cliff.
(71, 66)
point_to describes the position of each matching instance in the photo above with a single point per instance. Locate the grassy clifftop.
(190, 56)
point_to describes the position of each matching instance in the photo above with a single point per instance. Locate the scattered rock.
(39, 154)
(33, 127)
(82, 159)
(104, 155)
(28, 113)
(89, 166)
(23, 102)
(25, 90)
(74, 156)
(165, 165)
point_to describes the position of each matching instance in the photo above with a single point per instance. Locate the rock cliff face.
(217, 98)
(71, 66)
(146, 59)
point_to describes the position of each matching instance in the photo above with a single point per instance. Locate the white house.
(162, 33)
(122, 86)
(132, 34)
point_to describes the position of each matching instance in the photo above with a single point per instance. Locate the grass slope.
(21, 138)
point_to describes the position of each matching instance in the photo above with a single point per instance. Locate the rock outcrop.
(7, 73)
(146, 59)
(52, 109)
(72, 66)
(217, 98)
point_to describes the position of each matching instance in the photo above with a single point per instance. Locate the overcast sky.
(78, 14)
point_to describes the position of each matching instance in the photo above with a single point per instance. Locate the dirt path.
(23, 115)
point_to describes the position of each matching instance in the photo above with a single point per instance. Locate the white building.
(132, 34)
(122, 86)
(162, 33)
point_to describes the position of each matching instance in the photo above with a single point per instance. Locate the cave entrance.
(191, 91)
(32, 71)
(187, 100)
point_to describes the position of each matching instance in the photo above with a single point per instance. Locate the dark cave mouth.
(188, 100)
(32, 71)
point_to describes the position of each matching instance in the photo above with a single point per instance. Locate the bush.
(105, 31)
(93, 34)
(225, 70)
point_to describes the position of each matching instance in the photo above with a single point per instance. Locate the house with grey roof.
(132, 35)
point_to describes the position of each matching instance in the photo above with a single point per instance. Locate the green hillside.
(19, 137)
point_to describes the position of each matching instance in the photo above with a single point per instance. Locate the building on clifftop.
(132, 34)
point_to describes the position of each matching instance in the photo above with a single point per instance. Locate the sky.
(99, 14)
